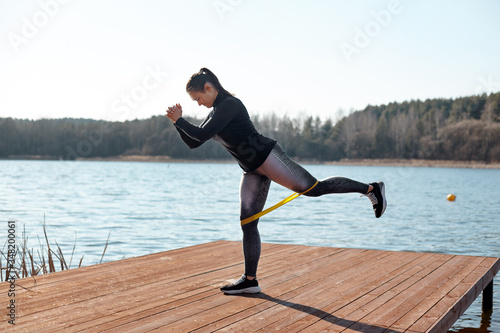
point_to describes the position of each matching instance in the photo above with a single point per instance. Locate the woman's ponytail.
(198, 80)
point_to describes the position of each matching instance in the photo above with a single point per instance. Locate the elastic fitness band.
(279, 204)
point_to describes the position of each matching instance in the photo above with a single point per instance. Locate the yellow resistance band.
(279, 204)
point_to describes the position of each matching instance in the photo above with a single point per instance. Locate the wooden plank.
(304, 288)
(298, 285)
(332, 286)
(157, 319)
(175, 290)
(453, 305)
(351, 291)
(406, 299)
(358, 309)
(150, 270)
(418, 312)
(91, 297)
(319, 313)
(160, 309)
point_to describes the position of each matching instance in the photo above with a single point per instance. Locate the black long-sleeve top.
(230, 125)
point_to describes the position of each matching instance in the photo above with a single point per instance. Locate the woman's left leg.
(284, 171)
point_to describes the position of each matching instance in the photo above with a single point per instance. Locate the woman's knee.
(316, 191)
(245, 212)
(250, 228)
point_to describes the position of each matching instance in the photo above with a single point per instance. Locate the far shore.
(357, 162)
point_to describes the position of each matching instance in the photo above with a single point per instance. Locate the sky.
(123, 59)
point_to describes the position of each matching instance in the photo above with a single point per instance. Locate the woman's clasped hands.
(174, 112)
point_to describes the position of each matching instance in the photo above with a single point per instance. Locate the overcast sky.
(125, 59)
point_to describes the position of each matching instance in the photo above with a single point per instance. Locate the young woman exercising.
(262, 160)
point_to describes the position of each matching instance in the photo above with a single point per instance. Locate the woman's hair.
(198, 80)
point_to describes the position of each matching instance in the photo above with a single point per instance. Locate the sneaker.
(377, 197)
(242, 286)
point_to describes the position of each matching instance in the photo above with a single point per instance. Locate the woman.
(262, 160)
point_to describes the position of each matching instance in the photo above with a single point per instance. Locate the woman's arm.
(213, 124)
(194, 135)
(191, 143)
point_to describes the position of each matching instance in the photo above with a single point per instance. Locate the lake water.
(153, 207)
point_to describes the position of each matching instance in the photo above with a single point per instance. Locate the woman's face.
(205, 97)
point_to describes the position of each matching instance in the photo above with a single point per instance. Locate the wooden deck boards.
(304, 288)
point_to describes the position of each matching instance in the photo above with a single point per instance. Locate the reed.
(44, 260)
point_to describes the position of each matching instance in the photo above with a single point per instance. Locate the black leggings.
(254, 187)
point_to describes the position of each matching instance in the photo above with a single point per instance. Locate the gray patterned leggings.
(278, 167)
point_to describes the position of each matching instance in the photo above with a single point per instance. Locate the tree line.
(462, 129)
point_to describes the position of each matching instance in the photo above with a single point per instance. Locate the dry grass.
(44, 260)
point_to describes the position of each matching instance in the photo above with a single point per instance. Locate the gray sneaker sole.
(249, 290)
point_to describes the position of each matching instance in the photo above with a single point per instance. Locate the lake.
(151, 207)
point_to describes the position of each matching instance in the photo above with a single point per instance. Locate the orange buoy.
(451, 197)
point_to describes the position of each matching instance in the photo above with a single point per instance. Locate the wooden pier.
(304, 288)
